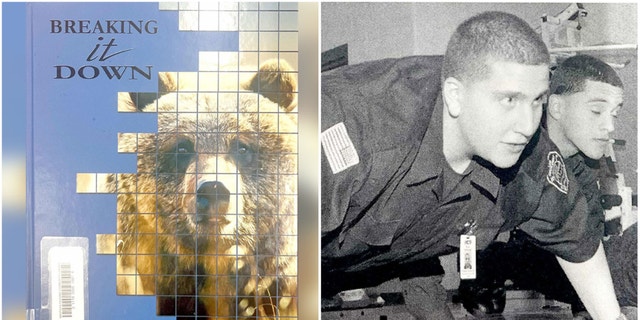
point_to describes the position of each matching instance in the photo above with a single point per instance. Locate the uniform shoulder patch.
(557, 174)
(339, 148)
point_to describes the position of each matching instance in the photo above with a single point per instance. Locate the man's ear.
(452, 93)
(555, 106)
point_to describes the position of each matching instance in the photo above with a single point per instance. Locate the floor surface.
(521, 305)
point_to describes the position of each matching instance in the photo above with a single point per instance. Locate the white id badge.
(468, 265)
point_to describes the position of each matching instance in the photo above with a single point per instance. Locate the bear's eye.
(243, 154)
(184, 154)
(176, 156)
(183, 145)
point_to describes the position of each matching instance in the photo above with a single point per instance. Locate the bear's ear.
(167, 82)
(276, 81)
(138, 101)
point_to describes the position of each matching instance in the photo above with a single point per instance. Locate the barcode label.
(67, 283)
(67, 297)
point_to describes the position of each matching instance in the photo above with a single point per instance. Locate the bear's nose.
(212, 199)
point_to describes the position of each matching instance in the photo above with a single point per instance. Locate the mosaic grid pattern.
(208, 222)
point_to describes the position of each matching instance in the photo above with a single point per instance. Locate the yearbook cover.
(162, 160)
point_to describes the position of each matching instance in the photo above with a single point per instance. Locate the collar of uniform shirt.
(428, 164)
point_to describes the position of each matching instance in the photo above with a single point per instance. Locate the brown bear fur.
(208, 223)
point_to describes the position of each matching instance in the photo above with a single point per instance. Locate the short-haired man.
(586, 96)
(412, 158)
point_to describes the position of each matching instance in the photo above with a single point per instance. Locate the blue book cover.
(162, 160)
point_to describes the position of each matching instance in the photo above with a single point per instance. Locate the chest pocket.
(377, 227)
(488, 222)
(375, 232)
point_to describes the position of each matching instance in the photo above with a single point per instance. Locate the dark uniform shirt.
(402, 202)
(565, 220)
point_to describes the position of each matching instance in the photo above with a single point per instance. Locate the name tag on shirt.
(468, 266)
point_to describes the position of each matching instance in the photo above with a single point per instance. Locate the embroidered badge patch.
(557, 174)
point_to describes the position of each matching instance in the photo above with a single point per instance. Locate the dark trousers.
(424, 296)
(622, 255)
(532, 268)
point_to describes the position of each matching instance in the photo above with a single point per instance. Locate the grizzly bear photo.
(208, 222)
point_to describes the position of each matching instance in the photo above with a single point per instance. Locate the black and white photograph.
(478, 160)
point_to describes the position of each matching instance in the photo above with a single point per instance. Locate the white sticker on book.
(338, 148)
(66, 270)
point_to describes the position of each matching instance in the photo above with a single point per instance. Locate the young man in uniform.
(414, 153)
(586, 96)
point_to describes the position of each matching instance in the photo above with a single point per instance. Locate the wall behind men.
(383, 30)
